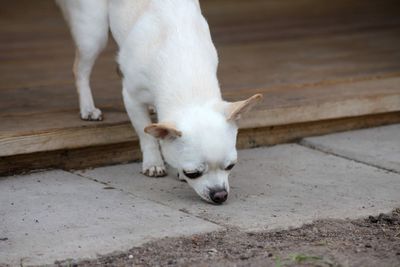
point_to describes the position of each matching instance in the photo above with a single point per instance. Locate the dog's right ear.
(163, 131)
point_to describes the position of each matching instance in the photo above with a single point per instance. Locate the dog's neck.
(193, 89)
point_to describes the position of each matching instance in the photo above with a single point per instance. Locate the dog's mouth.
(205, 195)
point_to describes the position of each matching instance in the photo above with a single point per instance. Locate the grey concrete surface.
(58, 215)
(275, 187)
(378, 146)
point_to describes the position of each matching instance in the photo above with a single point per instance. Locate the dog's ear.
(163, 131)
(234, 110)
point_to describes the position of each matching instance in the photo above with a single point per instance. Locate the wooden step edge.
(109, 154)
(73, 138)
(69, 138)
(351, 107)
(272, 135)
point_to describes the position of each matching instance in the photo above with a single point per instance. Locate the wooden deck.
(322, 66)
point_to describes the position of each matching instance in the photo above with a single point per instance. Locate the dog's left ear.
(163, 131)
(234, 110)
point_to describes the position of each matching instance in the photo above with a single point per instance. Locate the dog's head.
(201, 145)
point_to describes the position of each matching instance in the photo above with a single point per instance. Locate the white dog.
(167, 60)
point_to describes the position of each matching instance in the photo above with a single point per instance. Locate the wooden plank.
(57, 121)
(66, 139)
(96, 156)
(310, 60)
(257, 64)
(273, 135)
(243, 67)
(70, 159)
(312, 104)
(39, 61)
(317, 63)
(245, 21)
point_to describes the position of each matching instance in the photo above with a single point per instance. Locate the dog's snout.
(219, 196)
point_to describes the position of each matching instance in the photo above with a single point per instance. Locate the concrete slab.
(58, 215)
(276, 187)
(376, 146)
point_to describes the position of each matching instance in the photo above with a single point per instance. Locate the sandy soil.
(373, 241)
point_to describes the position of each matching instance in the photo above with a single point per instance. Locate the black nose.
(219, 196)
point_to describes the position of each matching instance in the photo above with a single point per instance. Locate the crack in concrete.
(225, 226)
(310, 145)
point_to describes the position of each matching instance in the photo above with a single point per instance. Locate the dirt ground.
(373, 241)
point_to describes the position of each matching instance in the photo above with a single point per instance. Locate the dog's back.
(170, 43)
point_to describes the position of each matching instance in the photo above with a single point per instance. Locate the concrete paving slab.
(275, 187)
(58, 215)
(378, 146)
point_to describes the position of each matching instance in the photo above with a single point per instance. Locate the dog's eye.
(230, 167)
(193, 175)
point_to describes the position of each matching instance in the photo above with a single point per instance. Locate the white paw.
(91, 115)
(155, 171)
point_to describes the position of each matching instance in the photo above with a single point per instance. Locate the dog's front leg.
(153, 164)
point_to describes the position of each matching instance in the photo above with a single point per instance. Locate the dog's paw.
(92, 115)
(155, 171)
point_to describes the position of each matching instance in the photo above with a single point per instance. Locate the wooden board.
(338, 100)
(315, 62)
(94, 156)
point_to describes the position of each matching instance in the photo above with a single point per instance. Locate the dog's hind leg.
(153, 164)
(88, 21)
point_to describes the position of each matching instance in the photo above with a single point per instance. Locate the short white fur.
(168, 60)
